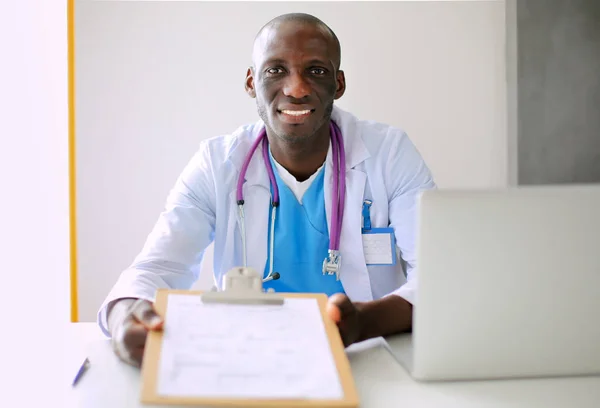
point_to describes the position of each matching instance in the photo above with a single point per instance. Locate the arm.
(383, 317)
(406, 175)
(364, 320)
(173, 251)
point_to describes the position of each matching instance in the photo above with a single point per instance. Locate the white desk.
(380, 379)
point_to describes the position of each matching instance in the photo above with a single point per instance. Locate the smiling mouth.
(295, 116)
(296, 112)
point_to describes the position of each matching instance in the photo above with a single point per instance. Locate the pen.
(81, 371)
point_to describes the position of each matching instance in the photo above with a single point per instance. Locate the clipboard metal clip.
(242, 285)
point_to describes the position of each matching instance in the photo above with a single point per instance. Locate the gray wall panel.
(558, 91)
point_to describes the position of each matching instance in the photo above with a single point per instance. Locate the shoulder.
(217, 150)
(381, 140)
(390, 152)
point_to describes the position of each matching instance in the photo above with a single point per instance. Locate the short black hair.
(306, 19)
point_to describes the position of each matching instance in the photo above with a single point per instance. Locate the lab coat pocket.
(385, 278)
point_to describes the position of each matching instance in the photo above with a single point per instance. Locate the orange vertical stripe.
(72, 191)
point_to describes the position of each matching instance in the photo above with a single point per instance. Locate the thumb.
(144, 312)
(335, 305)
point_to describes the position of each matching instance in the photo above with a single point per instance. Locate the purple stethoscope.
(331, 264)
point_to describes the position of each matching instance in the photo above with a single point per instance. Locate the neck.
(302, 159)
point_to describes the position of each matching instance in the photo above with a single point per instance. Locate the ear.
(249, 85)
(341, 84)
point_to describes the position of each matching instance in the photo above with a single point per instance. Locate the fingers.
(129, 338)
(334, 313)
(134, 336)
(342, 303)
(130, 346)
(143, 312)
(135, 342)
(136, 357)
(343, 312)
(129, 341)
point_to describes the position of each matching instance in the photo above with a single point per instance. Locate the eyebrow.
(273, 61)
(318, 62)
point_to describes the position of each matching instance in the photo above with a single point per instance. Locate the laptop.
(509, 285)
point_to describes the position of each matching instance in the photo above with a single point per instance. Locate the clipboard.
(244, 286)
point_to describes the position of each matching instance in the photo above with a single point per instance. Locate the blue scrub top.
(301, 241)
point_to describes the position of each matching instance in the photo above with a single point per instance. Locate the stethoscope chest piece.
(331, 264)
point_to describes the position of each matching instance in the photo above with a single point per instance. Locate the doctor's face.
(295, 79)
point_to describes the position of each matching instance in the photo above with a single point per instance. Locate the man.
(295, 77)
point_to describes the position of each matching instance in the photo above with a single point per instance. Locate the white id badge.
(379, 246)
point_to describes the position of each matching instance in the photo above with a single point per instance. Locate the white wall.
(34, 211)
(155, 78)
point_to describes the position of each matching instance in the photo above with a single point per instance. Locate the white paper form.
(214, 350)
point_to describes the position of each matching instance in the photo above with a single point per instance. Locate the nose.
(296, 87)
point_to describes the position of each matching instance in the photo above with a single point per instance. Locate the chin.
(293, 137)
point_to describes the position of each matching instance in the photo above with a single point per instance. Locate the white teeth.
(296, 113)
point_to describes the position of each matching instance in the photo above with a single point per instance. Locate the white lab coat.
(382, 165)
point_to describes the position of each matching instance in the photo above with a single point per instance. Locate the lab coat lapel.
(354, 273)
(257, 197)
(256, 215)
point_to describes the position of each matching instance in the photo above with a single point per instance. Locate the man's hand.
(360, 321)
(129, 321)
(347, 316)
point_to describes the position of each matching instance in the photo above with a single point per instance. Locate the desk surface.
(381, 381)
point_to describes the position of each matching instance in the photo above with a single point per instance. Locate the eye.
(274, 71)
(318, 71)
